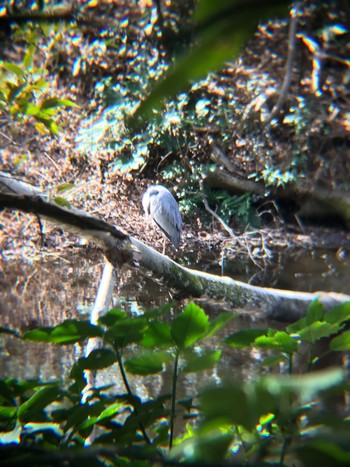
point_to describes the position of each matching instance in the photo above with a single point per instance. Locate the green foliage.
(24, 91)
(235, 207)
(256, 420)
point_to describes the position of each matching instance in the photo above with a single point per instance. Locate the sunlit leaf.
(32, 109)
(28, 57)
(62, 202)
(318, 330)
(189, 326)
(41, 128)
(18, 71)
(64, 187)
(315, 312)
(57, 102)
(157, 335)
(279, 341)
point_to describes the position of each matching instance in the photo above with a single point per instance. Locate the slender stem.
(173, 399)
(290, 369)
(286, 443)
(130, 394)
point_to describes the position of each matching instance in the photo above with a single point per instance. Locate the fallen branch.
(120, 248)
(315, 202)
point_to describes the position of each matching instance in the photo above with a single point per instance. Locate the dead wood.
(315, 202)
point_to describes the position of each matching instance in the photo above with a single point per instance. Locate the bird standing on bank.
(160, 206)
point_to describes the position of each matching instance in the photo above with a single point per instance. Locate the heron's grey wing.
(167, 216)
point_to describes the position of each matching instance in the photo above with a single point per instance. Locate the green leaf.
(28, 57)
(237, 404)
(318, 330)
(272, 360)
(126, 331)
(340, 343)
(15, 91)
(294, 328)
(98, 359)
(278, 341)
(157, 335)
(7, 413)
(306, 386)
(31, 110)
(78, 375)
(315, 312)
(106, 414)
(244, 338)
(199, 362)
(241, 11)
(61, 202)
(189, 326)
(338, 314)
(68, 332)
(64, 187)
(78, 415)
(112, 317)
(147, 363)
(54, 102)
(14, 69)
(32, 409)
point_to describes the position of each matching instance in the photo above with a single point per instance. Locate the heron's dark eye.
(154, 193)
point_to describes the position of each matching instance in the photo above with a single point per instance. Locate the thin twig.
(289, 65)
(213, 213)
(173, 399)
(131, 395)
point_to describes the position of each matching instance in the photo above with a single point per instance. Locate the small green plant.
(231, 207)
(23, 93)
(274, 418)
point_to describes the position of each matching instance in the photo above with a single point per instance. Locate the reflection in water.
(45, 292)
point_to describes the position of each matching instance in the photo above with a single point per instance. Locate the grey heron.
(160, 206)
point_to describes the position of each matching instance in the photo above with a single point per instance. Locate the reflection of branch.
(289, 65)
(119, 247)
